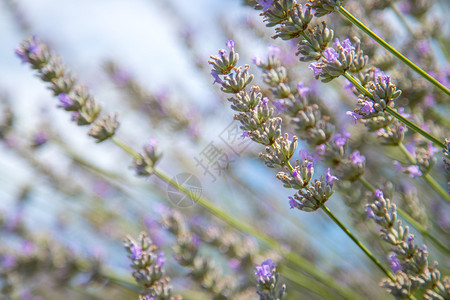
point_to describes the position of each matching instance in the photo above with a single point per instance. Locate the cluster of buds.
(148, 268)
(409, 262)
(72, 96)
(187, 255)
(422, 161)
(267, 279)
(325, 7)
(338, 60)
(309, 123)
(255, 115)
(144, 164)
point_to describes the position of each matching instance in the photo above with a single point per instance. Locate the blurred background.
(66, 203)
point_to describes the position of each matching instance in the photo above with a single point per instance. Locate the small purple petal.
(314, 68)
(347, 45)
(356, 158)
(216, 78)
(230, 44)
(330, 178)
(302, 89)
(330, 54)
(395, 263)
(379, 193)
(414, 171)
(65, 100)
(266, 269)
(266, 4)
(354, 115)
(369, 212)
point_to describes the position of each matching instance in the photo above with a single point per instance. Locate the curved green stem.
(428, 178)
(395, 114)
(389, 48)
(357, 242)
(244, 227)
(422, 229)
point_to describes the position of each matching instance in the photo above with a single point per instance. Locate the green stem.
(428, 178)
(244, 227)
(422, 229)
(395, 114)
(389, 48)
(306, 282)
(357, 242)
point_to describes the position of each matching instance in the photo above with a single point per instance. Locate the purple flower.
(40, 138)
(256, 60)
(216, 78)
(244, 135)
(378, 73)
(330, 178)
(320, 149)
(341, 139)
(432, 149)
(398, 166)
(8, 261)
(266, 269)
(266, 4)
(302, 89)
(304, 155)
(411, 147)
(279, 105)
(150, 148)
(264, 101)
(387, 79)
(33, 49)
(410, 238)
(414, 171)
(315, 68)
(160, 260)
(293, 203)
(368, 108)
(274, 50)
(369, 212)
(21, 53)
(330, 54)
(309, 166)
(379, 193)
(395, 263)
(356, 158)
(230, 44)
(65, 100)
(429, 100)
(423, 47)
(354, 115)
(346, 44)
(136, 252)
